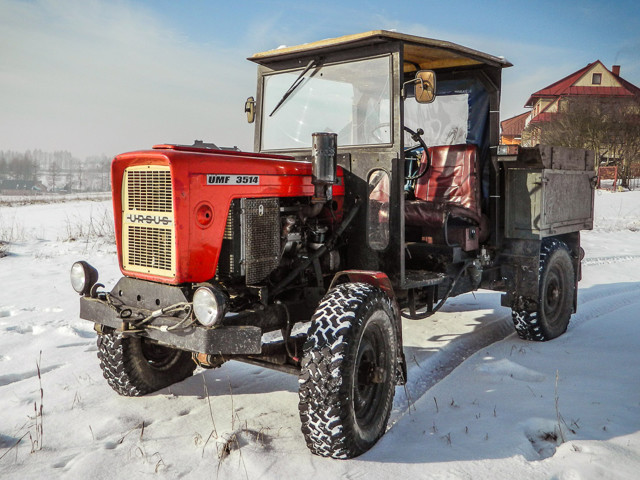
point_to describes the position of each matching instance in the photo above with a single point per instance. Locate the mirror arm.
(415, 80)
(402, 90)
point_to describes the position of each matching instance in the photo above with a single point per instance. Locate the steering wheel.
(417, 137)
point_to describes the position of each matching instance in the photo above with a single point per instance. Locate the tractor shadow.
(462, 423)
(234, 378)
(434, 347)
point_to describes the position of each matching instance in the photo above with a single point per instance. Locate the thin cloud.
(95, 77)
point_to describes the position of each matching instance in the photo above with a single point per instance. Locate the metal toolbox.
(549, 191)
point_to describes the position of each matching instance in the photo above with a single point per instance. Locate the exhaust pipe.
(324, 164)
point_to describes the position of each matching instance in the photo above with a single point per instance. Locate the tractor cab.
(416, 124)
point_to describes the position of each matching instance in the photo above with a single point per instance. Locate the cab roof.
(419, 52)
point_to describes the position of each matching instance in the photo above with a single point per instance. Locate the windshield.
(351, 99)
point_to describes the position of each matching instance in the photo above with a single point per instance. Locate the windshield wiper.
(296, 84)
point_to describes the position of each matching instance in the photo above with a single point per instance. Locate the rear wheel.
(347, 381)
(135, 366)
(555, 298)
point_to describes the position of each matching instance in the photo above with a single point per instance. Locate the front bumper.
(137, 299)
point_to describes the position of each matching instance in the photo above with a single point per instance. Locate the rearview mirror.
(425, 86)
(250, 109)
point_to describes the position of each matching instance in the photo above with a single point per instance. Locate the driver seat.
(447, 198)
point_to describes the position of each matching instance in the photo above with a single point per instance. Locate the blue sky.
(102, 77)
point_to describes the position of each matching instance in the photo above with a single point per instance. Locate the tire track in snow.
(592, 303)
(599, 292)
(606, 260)
(18, 377)
(604, 300)
(427, 372)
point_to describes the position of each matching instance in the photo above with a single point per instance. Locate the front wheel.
(555, 295)
(347, 380)
(135, 366)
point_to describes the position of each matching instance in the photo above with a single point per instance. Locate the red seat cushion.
(452, 177)
(450, 187)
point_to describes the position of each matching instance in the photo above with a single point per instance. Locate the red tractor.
(376, 192)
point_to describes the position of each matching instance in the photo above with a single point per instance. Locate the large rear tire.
(555, 297)
(135, 366)
(347, 380)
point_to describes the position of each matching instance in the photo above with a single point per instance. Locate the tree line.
(608, 126)
(56, 171)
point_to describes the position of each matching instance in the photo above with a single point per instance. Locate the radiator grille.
(149, 190)
(251, 242)
(229, 226)
(148, 221)
(229, 263)
(261, 229)
(150, 247)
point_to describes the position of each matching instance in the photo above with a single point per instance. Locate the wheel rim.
(553, 295)
(157, 356)
(370, 376)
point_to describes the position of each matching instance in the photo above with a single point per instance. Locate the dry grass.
(37, 438)
(35, 429)
(98, 226)
(11, 231)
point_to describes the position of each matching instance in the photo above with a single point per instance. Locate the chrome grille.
(148, 228)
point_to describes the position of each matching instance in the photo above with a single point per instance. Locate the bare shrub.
(11, 231)
(99, 226)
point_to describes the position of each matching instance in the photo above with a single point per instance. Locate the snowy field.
(480, 403)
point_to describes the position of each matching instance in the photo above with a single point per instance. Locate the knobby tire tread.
(528, 324)
(127, 372)
(322, 392)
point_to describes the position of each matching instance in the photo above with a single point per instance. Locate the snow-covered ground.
(477, 406)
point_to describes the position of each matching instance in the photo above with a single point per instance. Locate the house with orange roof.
(594, 82)
(511, 129)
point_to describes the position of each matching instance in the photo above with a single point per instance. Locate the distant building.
(21, 187)
(511, 129)
(594, 82)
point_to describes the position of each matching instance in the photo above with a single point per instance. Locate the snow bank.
(567, 409)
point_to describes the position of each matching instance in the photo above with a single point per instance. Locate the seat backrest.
(452, 177)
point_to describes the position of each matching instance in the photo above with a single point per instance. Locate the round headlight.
(83, 277)
(208, 306)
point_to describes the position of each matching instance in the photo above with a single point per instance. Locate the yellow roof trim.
(328, 42)
(379, 36)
